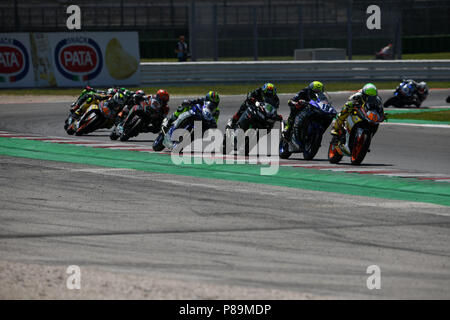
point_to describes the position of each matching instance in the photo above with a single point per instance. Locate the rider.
(368, 93)
(300, 101)
(212, 97)
(422, 91)
(159, 109)
(82, 98)
(131, 100)
(156, 109)
(267, 91)
(116, 103)
(89, 98)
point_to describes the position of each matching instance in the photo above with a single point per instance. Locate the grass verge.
(406, 56)
(440, 115)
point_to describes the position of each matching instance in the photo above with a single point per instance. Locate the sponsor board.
(76, 59)
(15, 61)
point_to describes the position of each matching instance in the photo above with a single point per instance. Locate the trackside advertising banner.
(16, 69)
(66, 59)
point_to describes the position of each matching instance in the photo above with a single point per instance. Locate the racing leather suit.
(419, 98)
(297, 104)
(130, 103)
(86, 101)
(85, 94)
(354, 102)
(185, 106)
(155, 112)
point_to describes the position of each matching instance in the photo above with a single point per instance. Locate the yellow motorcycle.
(97, 116)
(360, 127)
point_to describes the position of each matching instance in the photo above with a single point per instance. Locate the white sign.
(69, 59)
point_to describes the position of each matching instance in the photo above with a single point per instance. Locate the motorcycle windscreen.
(373, 104)
(271, 111)
(324, 97)
(374, 109)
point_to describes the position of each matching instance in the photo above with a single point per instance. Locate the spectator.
(182, 50)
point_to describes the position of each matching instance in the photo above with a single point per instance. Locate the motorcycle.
(72, 118)
(138, 121)
(97, 116)
(306, 135)
(404, 95)
(258, 115)
(186, 121)
(359, 130)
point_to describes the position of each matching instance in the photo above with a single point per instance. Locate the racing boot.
(338, 137)
(231, 124)
(286, 134)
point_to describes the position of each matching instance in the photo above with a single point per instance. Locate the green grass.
(411, 56)
(441, 116)
(276, 58)
(239, 88)
(406, 56)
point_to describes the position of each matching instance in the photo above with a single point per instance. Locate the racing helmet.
(422, 87)
(316, 86)
(213, 97)
(370, 90)
(139, 94)
(128, 93)
(162, 96)
(119, 98)
(111, 91)
(269, 89)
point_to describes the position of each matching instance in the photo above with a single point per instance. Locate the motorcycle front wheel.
(360, 147)
(312, 139)
(284, 150)
(87, 126)
(393, 101)
(333, 155)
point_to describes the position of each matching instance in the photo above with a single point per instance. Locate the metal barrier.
(291, 71)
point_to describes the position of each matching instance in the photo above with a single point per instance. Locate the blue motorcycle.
(186, 121)
(404, 95)
(309, 126)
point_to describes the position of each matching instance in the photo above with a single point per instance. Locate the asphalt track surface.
(226, 232)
